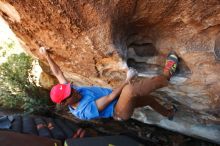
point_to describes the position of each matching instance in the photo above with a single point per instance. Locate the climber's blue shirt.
(87, 108)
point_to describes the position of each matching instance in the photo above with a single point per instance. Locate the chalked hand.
(131, 73)
(43, 51)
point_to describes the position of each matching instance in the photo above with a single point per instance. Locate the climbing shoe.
(174, 110)
(170, 65)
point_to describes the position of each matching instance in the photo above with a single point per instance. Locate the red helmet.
(60, 92)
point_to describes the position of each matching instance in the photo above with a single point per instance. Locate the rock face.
(95, 41)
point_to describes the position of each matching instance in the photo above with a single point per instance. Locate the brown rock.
(47, 81)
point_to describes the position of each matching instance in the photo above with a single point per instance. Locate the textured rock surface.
(94, 41)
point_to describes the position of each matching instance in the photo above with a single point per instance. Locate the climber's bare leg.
(153, 103)
(128, 99)
(131, 93)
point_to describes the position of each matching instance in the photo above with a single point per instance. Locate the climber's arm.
(104, 101)
(53, 66)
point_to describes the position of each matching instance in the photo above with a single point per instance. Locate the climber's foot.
(170, 65)
(172, 112)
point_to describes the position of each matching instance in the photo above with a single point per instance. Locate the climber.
(92, 102)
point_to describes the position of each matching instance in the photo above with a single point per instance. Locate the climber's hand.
(43, 51)
(131, 73)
